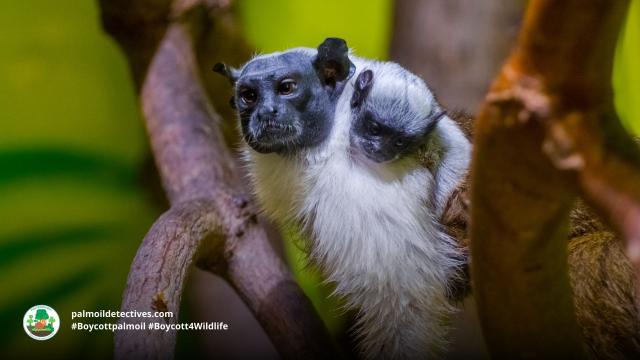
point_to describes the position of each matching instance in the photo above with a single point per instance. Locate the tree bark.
(212, 222)
(546, 133)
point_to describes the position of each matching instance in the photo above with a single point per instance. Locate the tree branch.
(546, 126)
(158, 272)
(212, 222)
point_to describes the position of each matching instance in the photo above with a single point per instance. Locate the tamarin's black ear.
(361, 88)
(332, 63)
(230, 73)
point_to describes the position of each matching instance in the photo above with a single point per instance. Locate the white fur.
(371, 229)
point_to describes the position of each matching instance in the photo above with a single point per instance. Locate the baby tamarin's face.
(393, 115)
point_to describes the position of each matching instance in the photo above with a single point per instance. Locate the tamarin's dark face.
(387, 124)
(282, 104)
(286, 101)
(379, 140)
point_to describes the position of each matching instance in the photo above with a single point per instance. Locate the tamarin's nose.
(268, 111)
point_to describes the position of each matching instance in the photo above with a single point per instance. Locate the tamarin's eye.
(287, 86)
(248, 96)
(374, 128)
(399, 143)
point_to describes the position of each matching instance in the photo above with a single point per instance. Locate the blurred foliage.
(74, 205)
(280, 24)
(626, 74)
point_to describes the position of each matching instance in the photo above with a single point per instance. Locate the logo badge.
(41, 322)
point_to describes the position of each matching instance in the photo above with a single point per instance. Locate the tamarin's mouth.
(271, 136)
(272, 131)
(278, 126)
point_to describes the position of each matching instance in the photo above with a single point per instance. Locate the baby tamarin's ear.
(363, 85)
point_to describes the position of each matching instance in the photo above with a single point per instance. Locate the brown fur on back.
(464, 121)
(604, 295)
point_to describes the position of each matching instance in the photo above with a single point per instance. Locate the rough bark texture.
(158, 272)
(212, 222)
(457, 46)
(546, 132)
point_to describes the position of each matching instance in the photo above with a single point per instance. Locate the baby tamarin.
(395, 116)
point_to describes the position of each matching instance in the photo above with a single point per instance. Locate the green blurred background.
(75, 200)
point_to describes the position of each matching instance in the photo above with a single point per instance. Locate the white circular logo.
(41, 322)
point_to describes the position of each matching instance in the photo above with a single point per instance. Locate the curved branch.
(158, 272)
